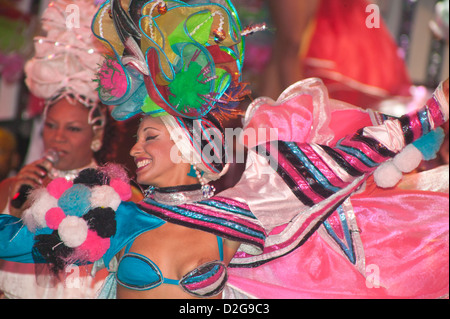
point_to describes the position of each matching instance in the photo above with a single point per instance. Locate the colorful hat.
(169, 57)
(179, 61)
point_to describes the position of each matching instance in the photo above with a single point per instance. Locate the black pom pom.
(102, 220)
(53, 250)
(91, 177)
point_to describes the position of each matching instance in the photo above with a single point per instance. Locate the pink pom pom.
(94, 247)
(114, 171)
(54, 217)
(122, 188)
(58, 186)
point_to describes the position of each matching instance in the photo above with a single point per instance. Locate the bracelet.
(443, 103)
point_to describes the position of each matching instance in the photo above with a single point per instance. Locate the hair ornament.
(254, 28)
(80, 213)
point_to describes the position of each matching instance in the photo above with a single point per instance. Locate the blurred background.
(415, 26)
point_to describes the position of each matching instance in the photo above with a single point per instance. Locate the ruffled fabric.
(358, 241)
(304, 102)
(406, 256)
(304, 113)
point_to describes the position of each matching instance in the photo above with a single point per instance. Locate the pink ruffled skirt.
(404, 235)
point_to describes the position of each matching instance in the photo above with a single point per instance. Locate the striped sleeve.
(395, 134)
(316, 172)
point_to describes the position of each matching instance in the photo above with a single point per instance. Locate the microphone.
(21, 196)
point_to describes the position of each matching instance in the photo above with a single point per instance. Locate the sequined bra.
(138, 272)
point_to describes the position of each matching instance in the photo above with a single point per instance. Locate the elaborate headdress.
(169, 56)
(67, 58)
(177, 59)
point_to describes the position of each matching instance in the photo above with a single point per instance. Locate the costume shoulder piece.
(221, 216)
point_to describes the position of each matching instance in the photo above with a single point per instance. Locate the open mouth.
(60, 153)
(142, 163)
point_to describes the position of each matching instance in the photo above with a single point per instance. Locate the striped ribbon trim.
(220, 216)
(297, 231)
(338, 229)
(310, 179)
(421, 122)
(207, 281)
(314, 182)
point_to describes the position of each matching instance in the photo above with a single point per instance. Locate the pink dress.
(357, 240)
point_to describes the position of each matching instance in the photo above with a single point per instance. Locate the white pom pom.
(105, 196)
(408, 159)
(387, 175)
(73, 231)
(42, 202)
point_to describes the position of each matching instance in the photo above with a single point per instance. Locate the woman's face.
(66, 129)
(152, 155)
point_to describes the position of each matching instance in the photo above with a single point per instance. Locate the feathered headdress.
(67, 58)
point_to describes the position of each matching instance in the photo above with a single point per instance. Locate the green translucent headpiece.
(169, 57)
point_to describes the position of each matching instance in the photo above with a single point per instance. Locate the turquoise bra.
(138, 272)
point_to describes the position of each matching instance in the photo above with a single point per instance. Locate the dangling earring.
(208, 190)
(96, 145)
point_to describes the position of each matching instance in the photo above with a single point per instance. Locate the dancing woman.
(178, 241)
